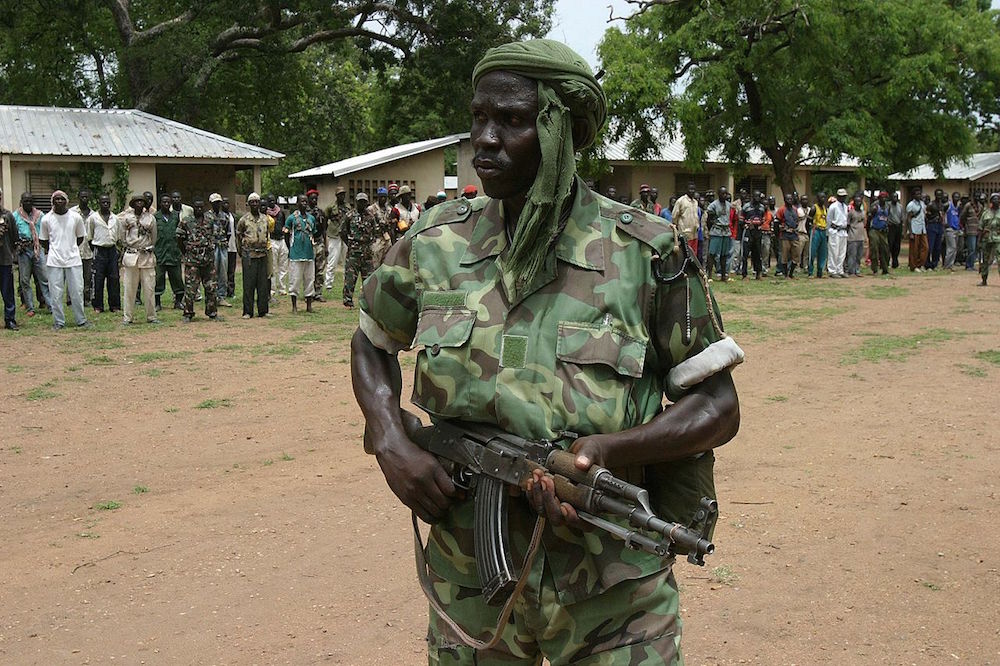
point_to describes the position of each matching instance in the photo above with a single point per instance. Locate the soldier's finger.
(553, 511)
(444, 482)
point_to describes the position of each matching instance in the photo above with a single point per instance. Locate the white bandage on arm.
(377, 336)
(716, 357)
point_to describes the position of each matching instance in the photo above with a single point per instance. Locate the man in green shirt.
(545, 308)
(299, 229)
(989, 236)
(168, 255)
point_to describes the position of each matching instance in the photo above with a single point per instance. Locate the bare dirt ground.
(197, 494)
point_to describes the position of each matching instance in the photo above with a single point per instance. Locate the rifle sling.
(508, 607)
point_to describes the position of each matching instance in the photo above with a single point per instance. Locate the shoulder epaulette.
(449, 212)
(649, 229)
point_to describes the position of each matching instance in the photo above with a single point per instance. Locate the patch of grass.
(108, 505)
(934, 587)
(814, 314)
(880, 292)
(103, 359)
(971, 370)
(106, 343)
(88, 535)
(14, 449)
(285, 350)
(223, 348)
(139, 490)
(171, 410)
(14, 369)
(286, 457)
(725, 575)
(151, 357)
(896, 348)
(308, 336)
(73, 368)
(776, 398)
(991, 356)
(43, 392)
(268, 462)
(213, 403)
(153, 372)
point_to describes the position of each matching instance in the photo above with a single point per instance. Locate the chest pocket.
(442, 382)
(597, 367)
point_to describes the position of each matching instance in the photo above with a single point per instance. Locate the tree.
(893, 83)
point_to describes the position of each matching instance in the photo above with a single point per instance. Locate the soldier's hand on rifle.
(541, 491)
(415, 476)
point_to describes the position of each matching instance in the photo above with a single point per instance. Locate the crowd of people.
(86, 257)
(836, 236)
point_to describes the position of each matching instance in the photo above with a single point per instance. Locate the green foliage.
(787, 77)
(213, 403)
(896, 348)
(991, 356)
(119, 185)
(91, 177)
(108, 505)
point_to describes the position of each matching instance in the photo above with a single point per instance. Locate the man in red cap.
(470, 192)
(643, 202)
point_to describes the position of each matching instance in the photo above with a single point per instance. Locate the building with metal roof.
(420, 164)
(45, 148)
(979, 172)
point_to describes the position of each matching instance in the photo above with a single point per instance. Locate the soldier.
(334, 244)
(383, 237)
(168, 256)
(197, 237)
(360, 229)
(219, 220)
(8, 253)
(137, 235)
(230, 250)
(319, 244)
(300, 229)
(404, 213)
(470, 192)
(989, 236)
(643, 203)
(514, 308)
(86, 252)
(279, 249)
(251, 245)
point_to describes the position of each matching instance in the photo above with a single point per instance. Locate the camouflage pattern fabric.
(196, 275)
(647, 207)
(585, 348)
(199, 237)
(355, 264)
(581, 633)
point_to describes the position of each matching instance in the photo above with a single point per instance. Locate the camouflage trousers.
(634, 623)
(196, 275)
(319, 249)
(356, 263)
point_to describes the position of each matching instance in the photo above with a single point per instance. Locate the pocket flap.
(596, 343)
(443, 327)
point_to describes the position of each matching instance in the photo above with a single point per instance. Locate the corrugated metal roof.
(384, 156)
(673, 150)
(977, 166)
(37, 130)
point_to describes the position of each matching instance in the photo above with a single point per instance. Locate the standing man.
(934, 223)
(360, 229)
(300, 228)
(137, 235)
(685, 217)
(168, 254)
(970, 227)
(719, 240)
(837, 223)
(8, 253)
(252, 247)
(643, 203)
(86, 253)
(989, 234)
(382, 236)
(878, 234)
(197, 238)
(181, 208)
(916, 231)
(231, 253)
(468, 192)
(587, 597)
(802, 230)
(220, 228)
(102, 232)
(818, 242)
(334, 244)
(895, 229)
(319, 244)
(753, 220)
(61, 233)
(404, 213)
(856, 220)
(952, 227)
(787, 219)
(654, 194)
(31, 259)
(768, 231)
(279, 249)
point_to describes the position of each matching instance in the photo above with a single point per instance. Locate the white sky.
(581, 24)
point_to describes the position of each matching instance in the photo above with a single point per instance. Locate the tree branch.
(120, 11)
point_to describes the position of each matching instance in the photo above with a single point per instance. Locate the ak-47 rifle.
(483, 460)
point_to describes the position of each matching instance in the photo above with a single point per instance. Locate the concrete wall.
(196, 180)
(424, 173)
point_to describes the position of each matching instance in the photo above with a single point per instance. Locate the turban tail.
(567, 91)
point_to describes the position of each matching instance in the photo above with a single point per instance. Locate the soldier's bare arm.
(414, 475)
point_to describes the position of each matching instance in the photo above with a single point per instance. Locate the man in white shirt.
(685, 217)
(86, 254)
(102, 235)
(61, 232)
(836, 224)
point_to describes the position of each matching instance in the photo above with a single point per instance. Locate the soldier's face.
(254, 206)
(165, 203)
(198, 207)
(175, 199)
(504, 137)
(313, 198)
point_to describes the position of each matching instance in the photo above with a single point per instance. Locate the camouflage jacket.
(220, 227)
(319, 232)
(337, 216)
(989, 226)
(362, 230)
(574, 351)
(198, 238)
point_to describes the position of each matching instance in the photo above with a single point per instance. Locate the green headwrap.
(567, 91)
